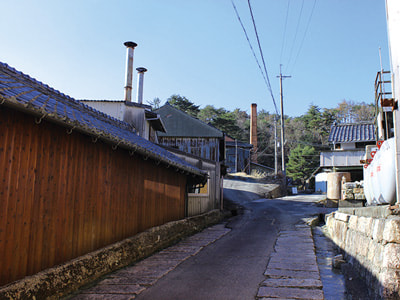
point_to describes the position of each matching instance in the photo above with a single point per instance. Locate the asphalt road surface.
(233, 266)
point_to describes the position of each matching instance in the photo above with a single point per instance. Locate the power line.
(284, 30)
(254, 54)
(305, 32)
(262, 56)
(295, 34)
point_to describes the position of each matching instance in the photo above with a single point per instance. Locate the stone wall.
(370, 241)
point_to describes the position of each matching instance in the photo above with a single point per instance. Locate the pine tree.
(303, 160)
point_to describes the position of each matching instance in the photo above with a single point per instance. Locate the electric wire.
(262, 55)
(248, 40)
(295, 34)
(284, 30)
(266, 79)
(304, 35)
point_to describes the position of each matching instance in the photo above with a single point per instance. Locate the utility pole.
(276, 146)
(236, 158)
(281, 77)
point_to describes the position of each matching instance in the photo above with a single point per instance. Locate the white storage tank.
(380, 176)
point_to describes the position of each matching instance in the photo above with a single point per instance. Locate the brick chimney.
(130, 46)
(253, 131)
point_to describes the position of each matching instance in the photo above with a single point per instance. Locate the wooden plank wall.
(62, 196)
(207, 148)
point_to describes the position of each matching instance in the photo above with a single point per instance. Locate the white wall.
(393, 25)
(112, 108)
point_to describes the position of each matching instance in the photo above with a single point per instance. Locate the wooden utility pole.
(276, 146)
(282, 123)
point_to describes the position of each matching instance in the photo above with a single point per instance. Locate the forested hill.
(305, 135)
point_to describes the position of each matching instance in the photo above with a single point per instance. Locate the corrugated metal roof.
(180, 124)
(22, 92)
(343, 133)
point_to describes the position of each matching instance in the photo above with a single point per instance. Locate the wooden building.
(74, 179)
(238, 156)
(190, 135)
(200, 144)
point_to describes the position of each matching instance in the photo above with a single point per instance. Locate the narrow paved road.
(237, 262)
(233, 267)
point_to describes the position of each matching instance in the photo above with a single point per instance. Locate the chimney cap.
(130, 44)
(141, 70)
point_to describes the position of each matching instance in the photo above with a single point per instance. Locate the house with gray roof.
(352, 136)
(348, 143)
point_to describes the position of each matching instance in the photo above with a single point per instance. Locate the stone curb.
(64, 279)
(292, 272)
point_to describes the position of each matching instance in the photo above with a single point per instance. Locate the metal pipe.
(130, 46)
(139, 94)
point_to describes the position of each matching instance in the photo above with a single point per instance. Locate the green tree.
(221, 119)
(243, 122)
(266, 138)
(209, 113)
(303, 160)
(184, 104)
(351, 112)
(317, 125)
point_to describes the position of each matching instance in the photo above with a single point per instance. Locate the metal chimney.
(253, 131)
(130, 46)
(139, 95)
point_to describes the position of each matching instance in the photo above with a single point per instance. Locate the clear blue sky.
(196, 48)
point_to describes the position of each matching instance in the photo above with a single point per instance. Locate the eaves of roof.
(118, 101)
(239, 144)
(21, 92)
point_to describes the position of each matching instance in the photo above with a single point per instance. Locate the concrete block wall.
(371, 245)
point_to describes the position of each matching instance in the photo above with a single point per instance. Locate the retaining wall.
(370, 241)
(56, 282)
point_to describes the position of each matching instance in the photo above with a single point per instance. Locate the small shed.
(237, 155)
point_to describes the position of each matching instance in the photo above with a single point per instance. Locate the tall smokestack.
(130, 46)
(139, 95)
(253, 131)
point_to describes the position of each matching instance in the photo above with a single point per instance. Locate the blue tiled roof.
(25, 93)
(343, 133)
